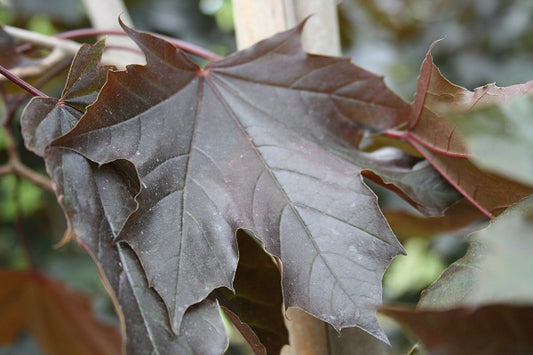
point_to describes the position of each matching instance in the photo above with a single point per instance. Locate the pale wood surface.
(257, 20)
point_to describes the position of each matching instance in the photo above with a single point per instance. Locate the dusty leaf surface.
(97, 201)
(260, 140)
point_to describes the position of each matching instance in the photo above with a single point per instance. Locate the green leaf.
(260, 140)
(500, 138)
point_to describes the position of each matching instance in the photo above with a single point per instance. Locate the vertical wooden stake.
(257, 20)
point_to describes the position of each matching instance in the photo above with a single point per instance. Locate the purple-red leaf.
(437, 139)
(97, 201)
(436, 97)
(260, 140)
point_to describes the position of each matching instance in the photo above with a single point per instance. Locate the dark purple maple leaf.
(97, 201)
(263, 141)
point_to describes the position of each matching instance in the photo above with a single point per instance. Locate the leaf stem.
(21, 83)
(410, 138)
(429, 158)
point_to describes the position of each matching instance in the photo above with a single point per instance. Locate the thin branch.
(67, 46)
(183, 45)
(19, 169)
(16, 167)
(21, 83)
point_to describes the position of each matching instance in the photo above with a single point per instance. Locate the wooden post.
(104, 15)
(257, 20)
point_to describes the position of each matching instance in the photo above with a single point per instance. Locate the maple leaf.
(260, 140)
(436, 137)
(60, 320)
(97, 201)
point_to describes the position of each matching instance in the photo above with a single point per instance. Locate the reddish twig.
(429, 158)
(21, 83)
(184, 46)
(392, 133)
(412, 138)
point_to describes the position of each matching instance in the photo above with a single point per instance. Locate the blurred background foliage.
(482, 41)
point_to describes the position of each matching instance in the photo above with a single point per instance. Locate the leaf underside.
(261, 140)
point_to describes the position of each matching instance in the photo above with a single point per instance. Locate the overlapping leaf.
(437, 97)
(413, 179)
(407, 225)
(500, 137)
(436, 137)
(97, 201)
(260, 140)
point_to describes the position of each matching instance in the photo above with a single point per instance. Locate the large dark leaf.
(260, 140)
(97, 201)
